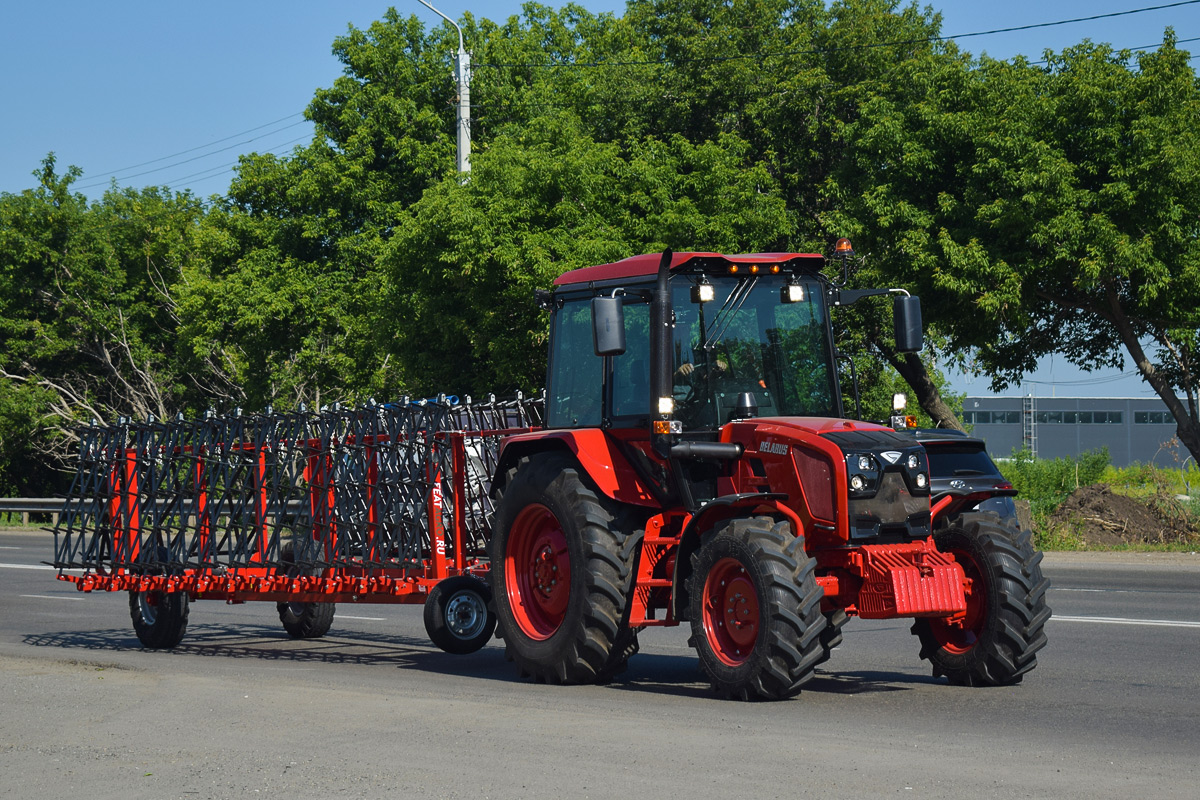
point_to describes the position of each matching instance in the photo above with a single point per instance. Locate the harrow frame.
(378, 502)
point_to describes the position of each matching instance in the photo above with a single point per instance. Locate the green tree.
(1065, 224)
(458, 311)
(87, 315)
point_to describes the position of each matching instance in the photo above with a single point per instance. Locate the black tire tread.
(303, 620)
(170, 622)
(789, 641)
(586, 654)
(1008, 648)
(435, 615)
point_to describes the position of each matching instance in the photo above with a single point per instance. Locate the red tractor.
(696, 466)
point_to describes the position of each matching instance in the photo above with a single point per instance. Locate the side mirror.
(608, 326)
(906, 316)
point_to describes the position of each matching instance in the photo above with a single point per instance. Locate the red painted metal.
(645, 265)
(538, 571)
(599, 454)
(960, 633)
(656, 569)
(911, 580)
(731, 612)
(346, 582)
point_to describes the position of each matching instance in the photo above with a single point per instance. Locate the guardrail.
(32, 505)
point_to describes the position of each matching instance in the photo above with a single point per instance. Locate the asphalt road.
(374, 710)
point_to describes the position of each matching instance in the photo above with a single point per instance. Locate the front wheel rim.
(731, 614)
(959, 636)
(537, 572)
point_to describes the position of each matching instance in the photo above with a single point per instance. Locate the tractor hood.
(886, 474)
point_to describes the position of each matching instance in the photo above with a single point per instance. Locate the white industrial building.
(1133, 429)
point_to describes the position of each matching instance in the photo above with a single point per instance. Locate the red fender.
(598, 454)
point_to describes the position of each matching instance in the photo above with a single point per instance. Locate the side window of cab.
(574, 395)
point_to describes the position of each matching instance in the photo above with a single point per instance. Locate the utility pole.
(462, 74)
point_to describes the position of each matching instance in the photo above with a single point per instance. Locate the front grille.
(892, 514)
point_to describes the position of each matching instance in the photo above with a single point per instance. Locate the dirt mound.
(1100, 517)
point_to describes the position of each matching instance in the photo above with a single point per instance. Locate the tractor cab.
(741, 337)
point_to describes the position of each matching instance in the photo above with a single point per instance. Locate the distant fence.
(50, 506)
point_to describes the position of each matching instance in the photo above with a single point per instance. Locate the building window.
(1153, 418)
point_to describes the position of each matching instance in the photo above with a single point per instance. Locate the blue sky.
(170, 93)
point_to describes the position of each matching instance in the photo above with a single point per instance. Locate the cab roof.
(647, 265)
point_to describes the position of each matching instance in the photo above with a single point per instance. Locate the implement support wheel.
(755, 610)
(457, 617)
(561, 572)
(159, 618)
(303, 620)
(996, 642)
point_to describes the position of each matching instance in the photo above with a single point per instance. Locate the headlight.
(922, 481)
(913, 462)
(862, 474)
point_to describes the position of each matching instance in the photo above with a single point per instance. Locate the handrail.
(32, 505)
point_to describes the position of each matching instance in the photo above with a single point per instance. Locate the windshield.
(748, 340)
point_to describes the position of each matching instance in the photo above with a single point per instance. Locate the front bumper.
(887, 581)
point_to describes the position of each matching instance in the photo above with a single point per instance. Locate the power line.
(218, 170)
(1120, 376)
(202, 146)
(834, 48)
(1133, 49)
(113, 176)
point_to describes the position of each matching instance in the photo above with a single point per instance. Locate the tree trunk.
(912, 369)
(1187, 429)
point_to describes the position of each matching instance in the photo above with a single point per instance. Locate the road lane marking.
(1164, 623)
(50, 597)
(1097, 591)
(8, 547)
(368, 619)
(27, 566)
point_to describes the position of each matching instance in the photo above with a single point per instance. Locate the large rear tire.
(560, 573)
(457, 617)
(159, 618)
(831, 637)
(996, 643)
(755, 610)
(303, 620)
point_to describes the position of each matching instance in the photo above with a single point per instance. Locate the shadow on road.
(677, 675)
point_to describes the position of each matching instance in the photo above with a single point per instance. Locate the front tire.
(996, 643)
(457, 617)
(560, 574)
(755, 610)
(159, 618)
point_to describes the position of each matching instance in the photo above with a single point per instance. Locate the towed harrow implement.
(375, 504)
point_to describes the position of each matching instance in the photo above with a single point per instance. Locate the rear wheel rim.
(538, 572)
(731, 612)
(959, 636)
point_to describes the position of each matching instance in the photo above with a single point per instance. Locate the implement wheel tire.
(996, 643)
(159, 618)
(560, 573)
(303, 620)
(755, 610)
(457, 617)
